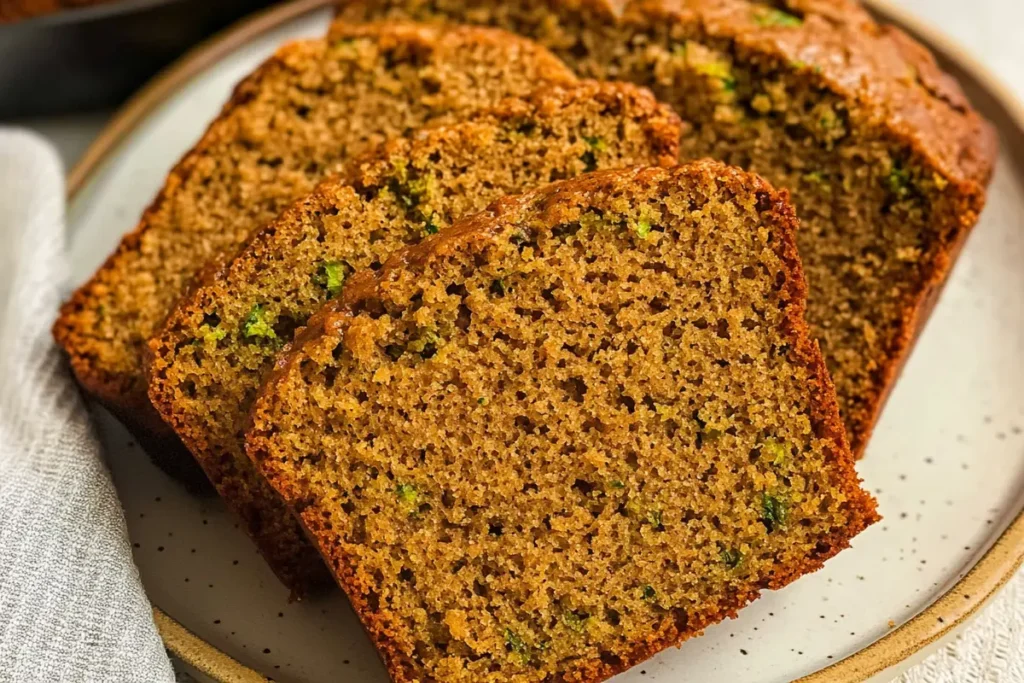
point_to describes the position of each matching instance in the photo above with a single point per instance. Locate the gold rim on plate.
(950, 611)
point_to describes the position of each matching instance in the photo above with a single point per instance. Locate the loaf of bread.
(569, 431)
(208, 361)
(886, 161)
(310, 107)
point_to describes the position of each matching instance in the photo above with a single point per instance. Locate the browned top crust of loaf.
(439, 552)
(208, 360)
(884, 156)
(311, 106)
(877, 65)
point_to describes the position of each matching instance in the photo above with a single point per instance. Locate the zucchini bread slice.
(884, 157)
(311, 106)
(569, 431)
(210, 357)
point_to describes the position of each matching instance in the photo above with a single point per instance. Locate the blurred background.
(66, 65)
(60, 56)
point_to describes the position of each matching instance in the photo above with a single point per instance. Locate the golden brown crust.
(104, 324)
(333, 322)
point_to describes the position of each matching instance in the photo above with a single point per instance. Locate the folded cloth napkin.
(72, 607)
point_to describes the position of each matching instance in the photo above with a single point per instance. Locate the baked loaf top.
(878, 66)
(210, 357)
(569, 431)
(884, 157)
(310, 107)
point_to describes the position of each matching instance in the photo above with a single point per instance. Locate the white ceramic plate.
(946, 462)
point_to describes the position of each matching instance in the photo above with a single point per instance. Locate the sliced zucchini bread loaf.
(208, 361)
(884, 157)
(314, 104)
(569, 431)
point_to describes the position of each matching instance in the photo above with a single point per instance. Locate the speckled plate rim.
(955, 608)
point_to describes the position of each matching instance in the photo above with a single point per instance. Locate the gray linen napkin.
(72, 607)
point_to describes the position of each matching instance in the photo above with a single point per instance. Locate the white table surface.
(990, 29)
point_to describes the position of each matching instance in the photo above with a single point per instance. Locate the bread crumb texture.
(216, 346)
(310, 107)
(572, 430)
(886, 161)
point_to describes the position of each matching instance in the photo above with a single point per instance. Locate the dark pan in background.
(88, 57)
